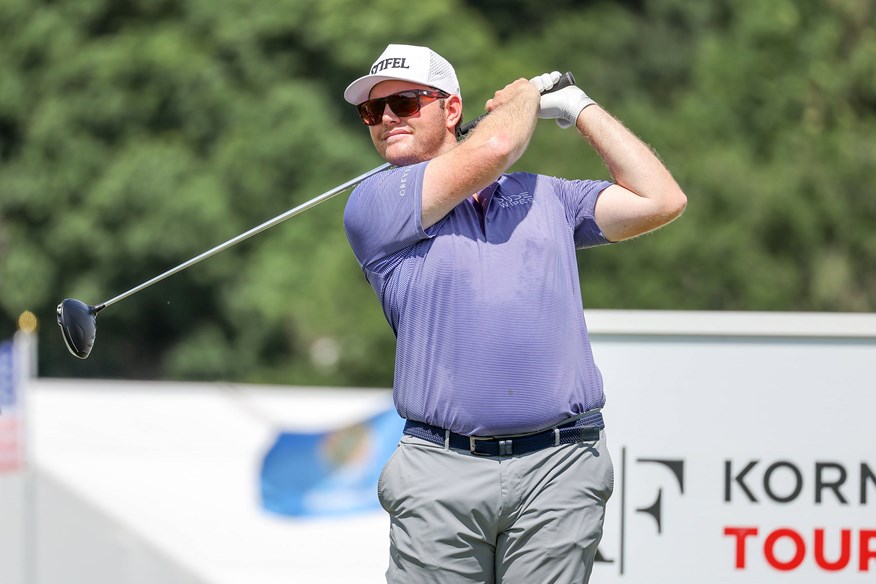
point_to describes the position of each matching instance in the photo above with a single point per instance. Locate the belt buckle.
(506, 447)
(472, 445)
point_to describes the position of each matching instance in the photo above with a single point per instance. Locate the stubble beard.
(421, 145)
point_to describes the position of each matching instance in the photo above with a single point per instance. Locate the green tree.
(136, 135)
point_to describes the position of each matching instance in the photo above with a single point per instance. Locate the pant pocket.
(382, 495)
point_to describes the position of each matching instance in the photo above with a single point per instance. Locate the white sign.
(742, 457)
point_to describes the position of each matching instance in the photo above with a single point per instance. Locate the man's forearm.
(494, 145)
(512, 121)
(646, 196)
(632, 164)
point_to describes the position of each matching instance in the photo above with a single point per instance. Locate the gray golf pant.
(523, 519)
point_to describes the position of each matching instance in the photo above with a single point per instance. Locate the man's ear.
(453, 108)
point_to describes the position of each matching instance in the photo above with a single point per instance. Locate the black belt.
(583, 429)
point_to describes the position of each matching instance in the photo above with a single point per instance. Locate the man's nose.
(387, 112)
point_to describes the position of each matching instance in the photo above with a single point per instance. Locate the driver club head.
(78, 322)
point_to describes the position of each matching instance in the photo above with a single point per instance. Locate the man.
(503, 472)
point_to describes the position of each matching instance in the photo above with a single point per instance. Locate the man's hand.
(546, 81)
(519, 89)
(563, 105)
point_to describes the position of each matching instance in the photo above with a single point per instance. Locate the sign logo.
(742, 515)
(675, 470)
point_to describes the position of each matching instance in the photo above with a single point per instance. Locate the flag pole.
(25, 369)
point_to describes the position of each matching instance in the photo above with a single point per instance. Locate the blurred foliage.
(135, 135)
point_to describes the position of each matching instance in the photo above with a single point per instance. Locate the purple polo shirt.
(485, 305)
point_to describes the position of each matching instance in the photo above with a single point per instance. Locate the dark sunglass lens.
(371, 111)
(405, 104)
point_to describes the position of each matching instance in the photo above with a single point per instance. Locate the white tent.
(158, 482)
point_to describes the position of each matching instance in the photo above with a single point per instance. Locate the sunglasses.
(403, 104)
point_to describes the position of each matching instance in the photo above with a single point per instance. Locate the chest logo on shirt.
(512, 200)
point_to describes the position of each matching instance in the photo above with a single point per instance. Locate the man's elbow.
(670, 208)
(675, 204)
(498, 152)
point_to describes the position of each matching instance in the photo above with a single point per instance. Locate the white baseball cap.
(405, 63)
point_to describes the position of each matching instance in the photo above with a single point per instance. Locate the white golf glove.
(563, 105)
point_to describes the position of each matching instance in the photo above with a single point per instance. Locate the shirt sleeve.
(384, 215)
(579, 198)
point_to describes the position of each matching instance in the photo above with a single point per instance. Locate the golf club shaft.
(565, 80)
(246, 235)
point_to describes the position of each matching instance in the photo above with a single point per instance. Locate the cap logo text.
(390, 63)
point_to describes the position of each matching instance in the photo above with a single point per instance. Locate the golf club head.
(78, 322)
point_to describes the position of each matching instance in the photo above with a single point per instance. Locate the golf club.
(78, 320)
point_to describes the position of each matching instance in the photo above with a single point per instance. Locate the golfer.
(503, 472)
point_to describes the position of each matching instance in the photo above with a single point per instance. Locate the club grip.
(566, 79)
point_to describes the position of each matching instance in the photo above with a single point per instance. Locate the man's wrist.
(584, 101)
(564, 105)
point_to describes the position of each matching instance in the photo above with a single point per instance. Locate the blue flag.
(329, 473)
